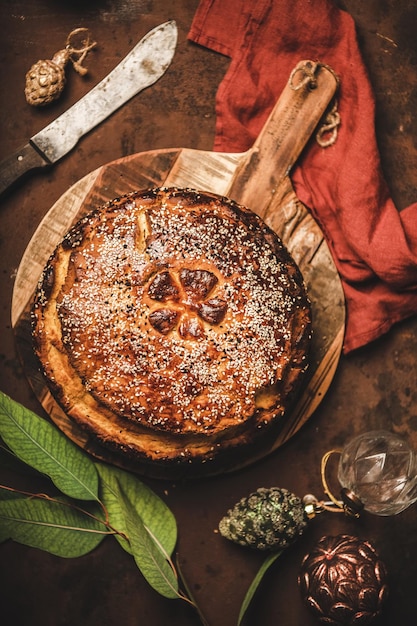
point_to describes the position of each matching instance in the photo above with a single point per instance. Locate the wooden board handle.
(290, 125)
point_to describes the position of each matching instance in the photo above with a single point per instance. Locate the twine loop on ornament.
(325, 458)
(349, 504)
(78, 55)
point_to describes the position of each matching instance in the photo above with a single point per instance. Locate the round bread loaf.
(174, 327)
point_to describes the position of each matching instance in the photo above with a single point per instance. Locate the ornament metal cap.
(352, 505)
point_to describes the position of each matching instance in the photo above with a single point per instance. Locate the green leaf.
(50, 525)
(42, 446)
(271, 558)
(149, 558)
(153, 512)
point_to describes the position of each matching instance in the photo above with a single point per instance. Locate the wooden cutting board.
(258, 179)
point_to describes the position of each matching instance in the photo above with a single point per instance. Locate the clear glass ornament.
(379, 470)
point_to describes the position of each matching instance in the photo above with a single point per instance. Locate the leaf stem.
(51, 525)
(181, 595)
(72, 505)
(190, 598)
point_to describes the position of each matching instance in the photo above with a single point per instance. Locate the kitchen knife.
(142, 67)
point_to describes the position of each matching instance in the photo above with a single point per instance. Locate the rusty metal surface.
(374, 387)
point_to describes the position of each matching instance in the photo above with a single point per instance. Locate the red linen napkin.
(374, 246)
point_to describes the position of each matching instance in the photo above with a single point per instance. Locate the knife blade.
(142, 67)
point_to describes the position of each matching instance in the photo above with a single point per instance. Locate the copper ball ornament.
(343, 581)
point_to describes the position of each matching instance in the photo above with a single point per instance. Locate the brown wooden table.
(374, 387)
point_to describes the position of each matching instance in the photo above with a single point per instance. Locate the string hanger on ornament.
(46, 79)
(349, 503)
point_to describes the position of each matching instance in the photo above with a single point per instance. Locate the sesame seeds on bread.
(174, 327)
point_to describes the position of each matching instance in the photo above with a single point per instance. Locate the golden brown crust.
(172, 325)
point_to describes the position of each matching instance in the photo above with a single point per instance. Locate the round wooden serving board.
(257, 179)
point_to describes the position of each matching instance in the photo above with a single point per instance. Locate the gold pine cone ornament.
(46, 79)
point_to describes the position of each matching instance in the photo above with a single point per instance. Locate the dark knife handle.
(19, 163)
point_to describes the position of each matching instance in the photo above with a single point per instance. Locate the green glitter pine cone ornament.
(267, 519)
